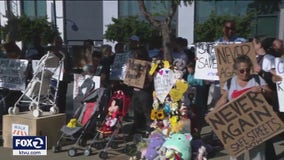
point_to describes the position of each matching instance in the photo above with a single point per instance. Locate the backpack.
(255, 76)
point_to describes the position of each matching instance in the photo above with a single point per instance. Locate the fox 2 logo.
(29, 142)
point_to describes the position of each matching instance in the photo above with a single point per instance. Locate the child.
(197, 91)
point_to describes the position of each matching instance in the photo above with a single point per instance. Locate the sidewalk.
(118, 154)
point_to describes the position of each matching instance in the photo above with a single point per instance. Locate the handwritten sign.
(226, 55)
(279, 68)
(244, 123)
(163, 82)
(136, 73)
(206, 64)
(20, 130)
(12, 73)
(118, 68)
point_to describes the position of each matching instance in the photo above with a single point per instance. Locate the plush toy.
(156, 140)
(114, 112)
(182, 126)
(201, 154)
(73, 123)
(178, 145)
(142, 148)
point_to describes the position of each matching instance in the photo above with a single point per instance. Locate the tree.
(23, 29)
(211, 29)
(163, 25)
(122, 28)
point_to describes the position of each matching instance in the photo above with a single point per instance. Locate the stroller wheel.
(87, 152)
(37, 113)
(16, 110)
(103, 155)
(54, 109)
(32, 107)
(56, 149)
(72, 152)
(10, 110)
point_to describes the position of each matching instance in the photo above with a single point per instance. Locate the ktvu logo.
(29, 145)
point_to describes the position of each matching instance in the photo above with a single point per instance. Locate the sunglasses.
(247, 70)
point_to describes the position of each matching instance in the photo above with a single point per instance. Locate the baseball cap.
(134, 38)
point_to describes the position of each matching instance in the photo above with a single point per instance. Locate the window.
(34, 8)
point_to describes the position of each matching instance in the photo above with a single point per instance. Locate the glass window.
(267, 13)
(34, 8)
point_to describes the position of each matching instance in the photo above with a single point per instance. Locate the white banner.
(206, 63)
(12, 73)
(279, 67)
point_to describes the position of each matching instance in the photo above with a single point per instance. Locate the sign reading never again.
(226, 55)
(244, 123)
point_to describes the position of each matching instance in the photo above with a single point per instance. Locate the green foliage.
(23, 29)
(122, 28)
(211, 29)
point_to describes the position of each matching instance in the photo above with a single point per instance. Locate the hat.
(134, 38)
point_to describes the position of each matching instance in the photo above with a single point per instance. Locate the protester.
(241, 82)
(198, 102)
(87, 52)
(180, 58)
(229, 35)
(141, 100)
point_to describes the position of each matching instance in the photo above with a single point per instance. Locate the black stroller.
(94, 104)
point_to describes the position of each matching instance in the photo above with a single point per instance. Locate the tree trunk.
(167, 46)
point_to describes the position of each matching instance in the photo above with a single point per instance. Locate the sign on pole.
(244, 123)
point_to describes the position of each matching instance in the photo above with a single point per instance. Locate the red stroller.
(108, 131)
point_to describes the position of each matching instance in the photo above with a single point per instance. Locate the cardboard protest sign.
(12, 73)
(163, 83)
(136, 73)
(118, 68)
(226, 55)
(279, 68)
(206, 64)
(244, 123)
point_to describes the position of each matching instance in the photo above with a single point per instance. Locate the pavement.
(123, 152)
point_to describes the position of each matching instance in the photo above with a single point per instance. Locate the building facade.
(80, 20)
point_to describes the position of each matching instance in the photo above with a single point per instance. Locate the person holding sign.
(229, 35)
(236, 86)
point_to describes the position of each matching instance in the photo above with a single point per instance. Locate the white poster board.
(206, 63)
(279, 67)
(12, 73)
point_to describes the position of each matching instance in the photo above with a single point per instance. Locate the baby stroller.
(40, 92)
(83, 124)
(109, 129)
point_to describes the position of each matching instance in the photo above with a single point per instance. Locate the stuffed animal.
(114, 112)
(72, 123)
(156, 140)
(178, 144)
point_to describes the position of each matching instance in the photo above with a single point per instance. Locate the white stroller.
(41, 91)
